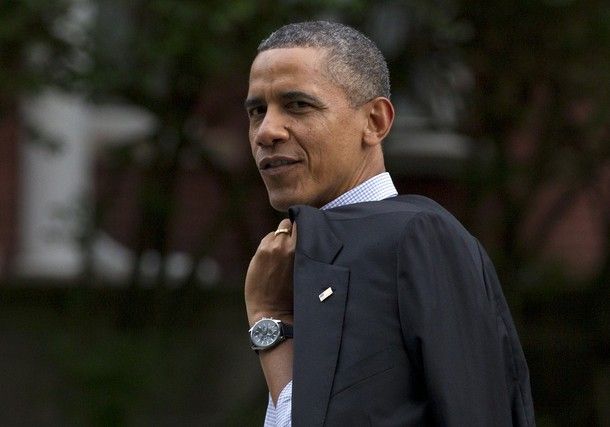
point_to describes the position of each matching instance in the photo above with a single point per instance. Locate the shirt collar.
(373, 189)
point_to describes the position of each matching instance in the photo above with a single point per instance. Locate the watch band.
(287, 330)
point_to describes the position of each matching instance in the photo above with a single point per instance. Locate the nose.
(271, 130)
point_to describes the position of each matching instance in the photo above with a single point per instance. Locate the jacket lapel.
(318, 325)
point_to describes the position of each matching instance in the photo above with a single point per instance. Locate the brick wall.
(8, 189)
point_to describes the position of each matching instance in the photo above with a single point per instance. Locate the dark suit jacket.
(416, 332)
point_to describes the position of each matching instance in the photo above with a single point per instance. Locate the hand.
(268, 288)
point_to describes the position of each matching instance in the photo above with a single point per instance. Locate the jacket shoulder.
(408, 205)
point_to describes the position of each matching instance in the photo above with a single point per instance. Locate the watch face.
(265, 333)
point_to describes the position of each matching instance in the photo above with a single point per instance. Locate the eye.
(298, 105)
(257, 111)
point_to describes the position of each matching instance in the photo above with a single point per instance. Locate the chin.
(282, 203)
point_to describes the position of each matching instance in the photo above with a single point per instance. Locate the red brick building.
(9, 189)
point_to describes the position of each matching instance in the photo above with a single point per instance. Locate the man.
(365, 308)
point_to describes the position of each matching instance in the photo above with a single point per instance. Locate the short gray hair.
(354, 61)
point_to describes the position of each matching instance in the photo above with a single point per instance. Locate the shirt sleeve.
(280, 415)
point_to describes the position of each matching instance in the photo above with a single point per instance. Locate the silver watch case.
(268, 333)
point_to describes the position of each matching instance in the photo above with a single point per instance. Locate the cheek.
(251, 136)
(317, 143)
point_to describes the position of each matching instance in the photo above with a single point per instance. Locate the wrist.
(283, 315)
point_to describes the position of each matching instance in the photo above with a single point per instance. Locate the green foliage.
(33, 51)
(168, 49)
(168, 370)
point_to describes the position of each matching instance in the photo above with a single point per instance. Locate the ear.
(380, 116)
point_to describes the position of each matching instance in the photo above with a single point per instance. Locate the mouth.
(276, 163)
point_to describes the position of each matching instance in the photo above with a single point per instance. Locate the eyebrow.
(253, 102)
(294, 95)
(288, 96)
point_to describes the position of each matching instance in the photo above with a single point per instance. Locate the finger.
(284, 228)
(274, 237)
(293, 235)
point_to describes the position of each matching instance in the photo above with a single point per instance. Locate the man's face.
(305, 136)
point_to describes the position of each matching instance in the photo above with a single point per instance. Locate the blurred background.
(129, 206)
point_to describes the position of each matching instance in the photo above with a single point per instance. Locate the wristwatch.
(268, 333)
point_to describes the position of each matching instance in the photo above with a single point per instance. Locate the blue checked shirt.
(376, 188)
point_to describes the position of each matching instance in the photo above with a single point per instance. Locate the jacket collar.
(318, 324)
(322, 245)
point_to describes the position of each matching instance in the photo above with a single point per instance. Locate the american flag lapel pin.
(327, 292)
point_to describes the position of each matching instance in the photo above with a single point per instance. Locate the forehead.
(299, 66)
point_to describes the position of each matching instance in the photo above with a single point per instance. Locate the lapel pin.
(328, 292)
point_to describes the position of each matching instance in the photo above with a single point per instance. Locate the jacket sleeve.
(457, 328)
